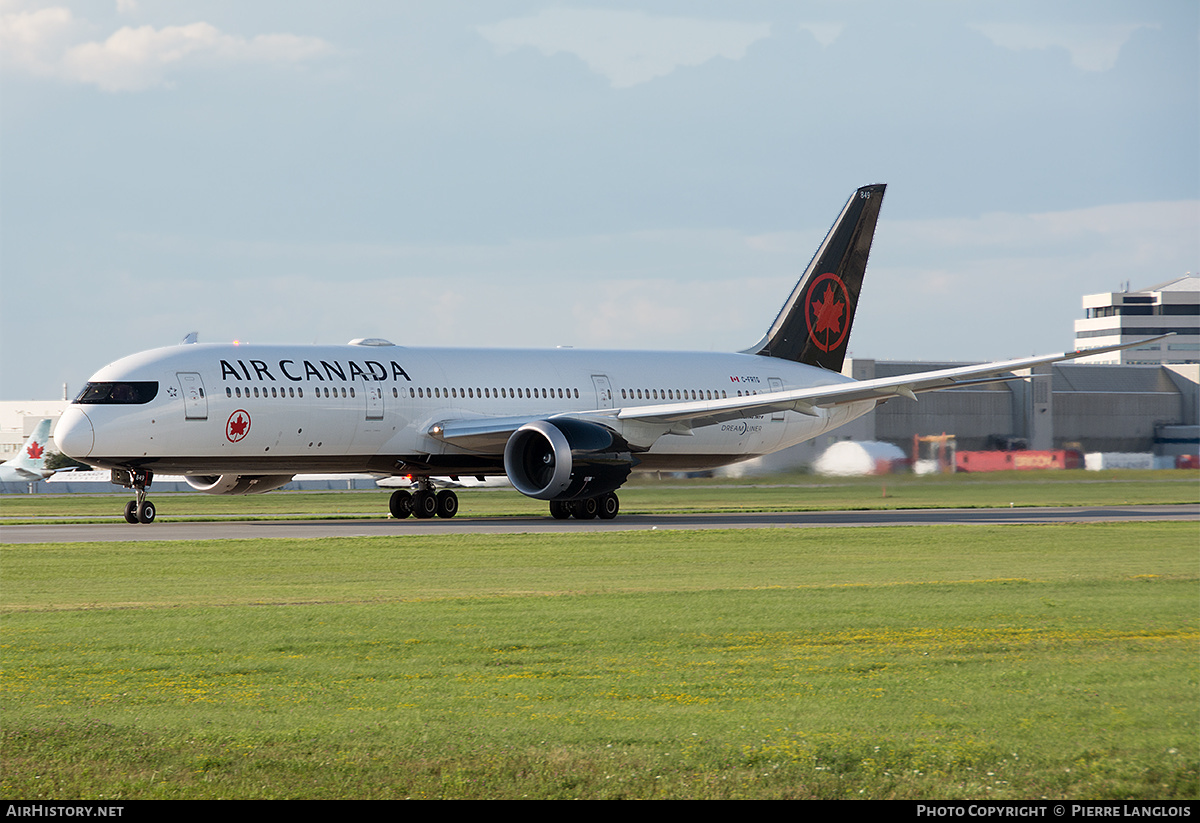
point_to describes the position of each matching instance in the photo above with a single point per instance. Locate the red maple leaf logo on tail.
(828, 313)
(35, 450)
(827, 306)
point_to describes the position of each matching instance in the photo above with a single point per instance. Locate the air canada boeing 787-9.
(566, 425)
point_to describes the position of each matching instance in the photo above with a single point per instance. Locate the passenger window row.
(672, 394)
(287, 391)
(483, 394)
(486, 394)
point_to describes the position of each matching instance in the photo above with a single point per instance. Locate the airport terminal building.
(1120, 317)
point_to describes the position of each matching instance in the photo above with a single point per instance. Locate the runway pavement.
(229, 530)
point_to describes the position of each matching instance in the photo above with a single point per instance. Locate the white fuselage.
(228, 409)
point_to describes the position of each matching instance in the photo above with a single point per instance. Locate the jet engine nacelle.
(566, 459)
(238, 483)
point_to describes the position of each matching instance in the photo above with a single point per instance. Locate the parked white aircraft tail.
(566, 426)
(30, 463)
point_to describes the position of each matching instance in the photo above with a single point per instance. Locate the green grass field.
(940, 662)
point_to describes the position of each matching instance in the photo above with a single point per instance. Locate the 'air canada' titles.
(323, 370)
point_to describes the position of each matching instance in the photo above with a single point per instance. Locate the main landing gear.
(139, 510)
(605, 507)
(424, 502)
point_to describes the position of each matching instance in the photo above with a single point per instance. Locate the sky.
(634, 175)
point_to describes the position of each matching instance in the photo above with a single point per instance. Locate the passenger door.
(775, 384)
(604, 396)
(373, 392)
(195, 404)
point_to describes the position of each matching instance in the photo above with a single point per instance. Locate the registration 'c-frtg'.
(565, 425)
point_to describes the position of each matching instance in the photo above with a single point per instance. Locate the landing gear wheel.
(587, 509)
(138, 510)
(560, 510)
(425, 505)
(609, 506)
(447, 503)
(400, 504)
(146, 512)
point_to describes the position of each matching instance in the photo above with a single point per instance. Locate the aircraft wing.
(642, 425)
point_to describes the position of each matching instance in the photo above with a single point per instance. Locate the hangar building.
(1089, 407)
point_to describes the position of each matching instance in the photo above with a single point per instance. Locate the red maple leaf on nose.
(237, 427)
(35, 450)
(828, 312)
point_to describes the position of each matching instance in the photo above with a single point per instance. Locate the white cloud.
(33, 40)
(824, 33)
(1092, 46)
(628, 48)
(47, 43)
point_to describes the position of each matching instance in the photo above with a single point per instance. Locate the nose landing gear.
(139, 510)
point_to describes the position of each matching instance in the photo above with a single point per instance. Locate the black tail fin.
(814, 325)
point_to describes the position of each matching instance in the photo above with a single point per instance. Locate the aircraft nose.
(73, 435)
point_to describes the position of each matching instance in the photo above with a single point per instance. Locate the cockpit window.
(130, 393)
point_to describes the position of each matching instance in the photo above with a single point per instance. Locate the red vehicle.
(996, 461)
